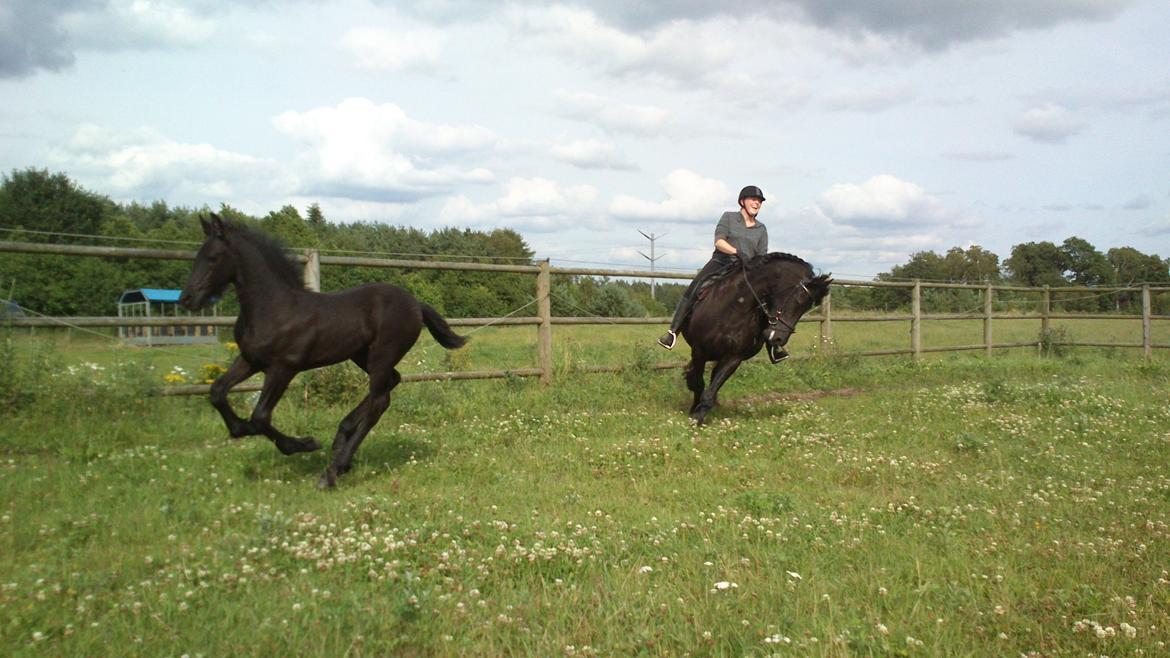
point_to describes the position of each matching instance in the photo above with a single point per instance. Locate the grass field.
(833, 506)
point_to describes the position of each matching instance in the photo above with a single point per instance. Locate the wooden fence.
(543, 320)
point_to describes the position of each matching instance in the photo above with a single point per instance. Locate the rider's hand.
(744, 260)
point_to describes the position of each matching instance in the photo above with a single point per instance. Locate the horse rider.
(738, 236)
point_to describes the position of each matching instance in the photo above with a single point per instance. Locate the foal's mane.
(274, 253)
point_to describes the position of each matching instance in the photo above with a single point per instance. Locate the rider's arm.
(722, 232)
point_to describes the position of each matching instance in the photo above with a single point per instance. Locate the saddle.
(721, 274)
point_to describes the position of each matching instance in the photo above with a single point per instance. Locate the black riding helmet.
(749, 192)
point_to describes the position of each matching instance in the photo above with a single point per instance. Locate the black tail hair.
(440, 329)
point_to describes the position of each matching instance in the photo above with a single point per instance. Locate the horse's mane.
(274, 253)
(777, 256)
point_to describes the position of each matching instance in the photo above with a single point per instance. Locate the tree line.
(39, 206)
(1074, 262)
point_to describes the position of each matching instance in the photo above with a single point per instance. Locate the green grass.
(959, 506)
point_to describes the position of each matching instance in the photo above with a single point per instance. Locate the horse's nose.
(185, 300)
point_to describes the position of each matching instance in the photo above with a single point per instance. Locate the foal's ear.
(215, 228)
(206, 225)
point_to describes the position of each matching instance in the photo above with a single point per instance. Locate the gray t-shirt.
(751, 241)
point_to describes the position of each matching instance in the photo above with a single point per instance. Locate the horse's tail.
(440, 329)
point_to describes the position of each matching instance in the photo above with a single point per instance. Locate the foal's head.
(214, 266)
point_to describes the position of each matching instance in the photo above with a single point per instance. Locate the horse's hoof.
(293, 446)
(328, 480)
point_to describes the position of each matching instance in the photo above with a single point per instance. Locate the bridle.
(774, 319)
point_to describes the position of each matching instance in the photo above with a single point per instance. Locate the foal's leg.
(695, 379)
(276, 381)
(236, 373)
(723, 369)
(357, 424)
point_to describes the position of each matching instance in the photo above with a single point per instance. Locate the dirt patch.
(770, 398)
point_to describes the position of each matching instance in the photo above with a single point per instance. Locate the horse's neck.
(257, 285)
(767, 280)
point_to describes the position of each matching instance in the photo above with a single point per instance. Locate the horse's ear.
(206, 225)
(218, 227)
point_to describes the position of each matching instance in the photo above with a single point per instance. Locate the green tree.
(1037, 264)
(314, 216)
(1084, 265)
(36, 200)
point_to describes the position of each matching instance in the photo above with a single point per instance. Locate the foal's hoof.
(293, 446)
(328, 479)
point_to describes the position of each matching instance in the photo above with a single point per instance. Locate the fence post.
(1147, 334)
(987, 319)
(313, 270)
(827, 323)
(1045, 309)
(916, 321)
(544, 329)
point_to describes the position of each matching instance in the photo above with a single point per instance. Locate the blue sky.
(877, 128)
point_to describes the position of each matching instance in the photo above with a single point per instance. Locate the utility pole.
(651, 258)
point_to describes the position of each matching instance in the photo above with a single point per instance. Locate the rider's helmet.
(749, 192)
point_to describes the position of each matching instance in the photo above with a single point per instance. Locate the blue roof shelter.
(162, 302)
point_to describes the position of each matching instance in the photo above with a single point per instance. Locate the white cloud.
(1048, 123)
(610, 114)
(676, 51)
(137, 24)
(376, 49)
(533, 204)
(874, 99)
(145, 165)
(884, 203)
(1139, 202)
(689, 198)
(377, 153)
(591, 154)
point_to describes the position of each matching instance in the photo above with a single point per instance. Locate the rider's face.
(752, 205)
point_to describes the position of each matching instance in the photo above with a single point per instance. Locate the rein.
(773, 318)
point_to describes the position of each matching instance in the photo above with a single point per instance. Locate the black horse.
(283, 329)
(729, 324)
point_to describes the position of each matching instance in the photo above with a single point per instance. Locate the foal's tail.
(440, 329)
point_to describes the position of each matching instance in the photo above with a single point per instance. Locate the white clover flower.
(646, 569)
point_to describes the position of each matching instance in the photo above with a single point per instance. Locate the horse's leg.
(357, 424)
(276, 381)
(239, 371)
(695, 379)
(723, 369)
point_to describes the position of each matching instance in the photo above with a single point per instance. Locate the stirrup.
(777, 353)
(667, 340)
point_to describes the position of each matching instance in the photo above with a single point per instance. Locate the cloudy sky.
(876, 128)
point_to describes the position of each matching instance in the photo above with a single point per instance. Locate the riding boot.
(684, 304)
(667, 340)
(776, 353)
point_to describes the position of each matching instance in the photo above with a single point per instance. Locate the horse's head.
(792, 292)
(214, 267)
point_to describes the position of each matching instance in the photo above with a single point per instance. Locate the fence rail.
(312, 261)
